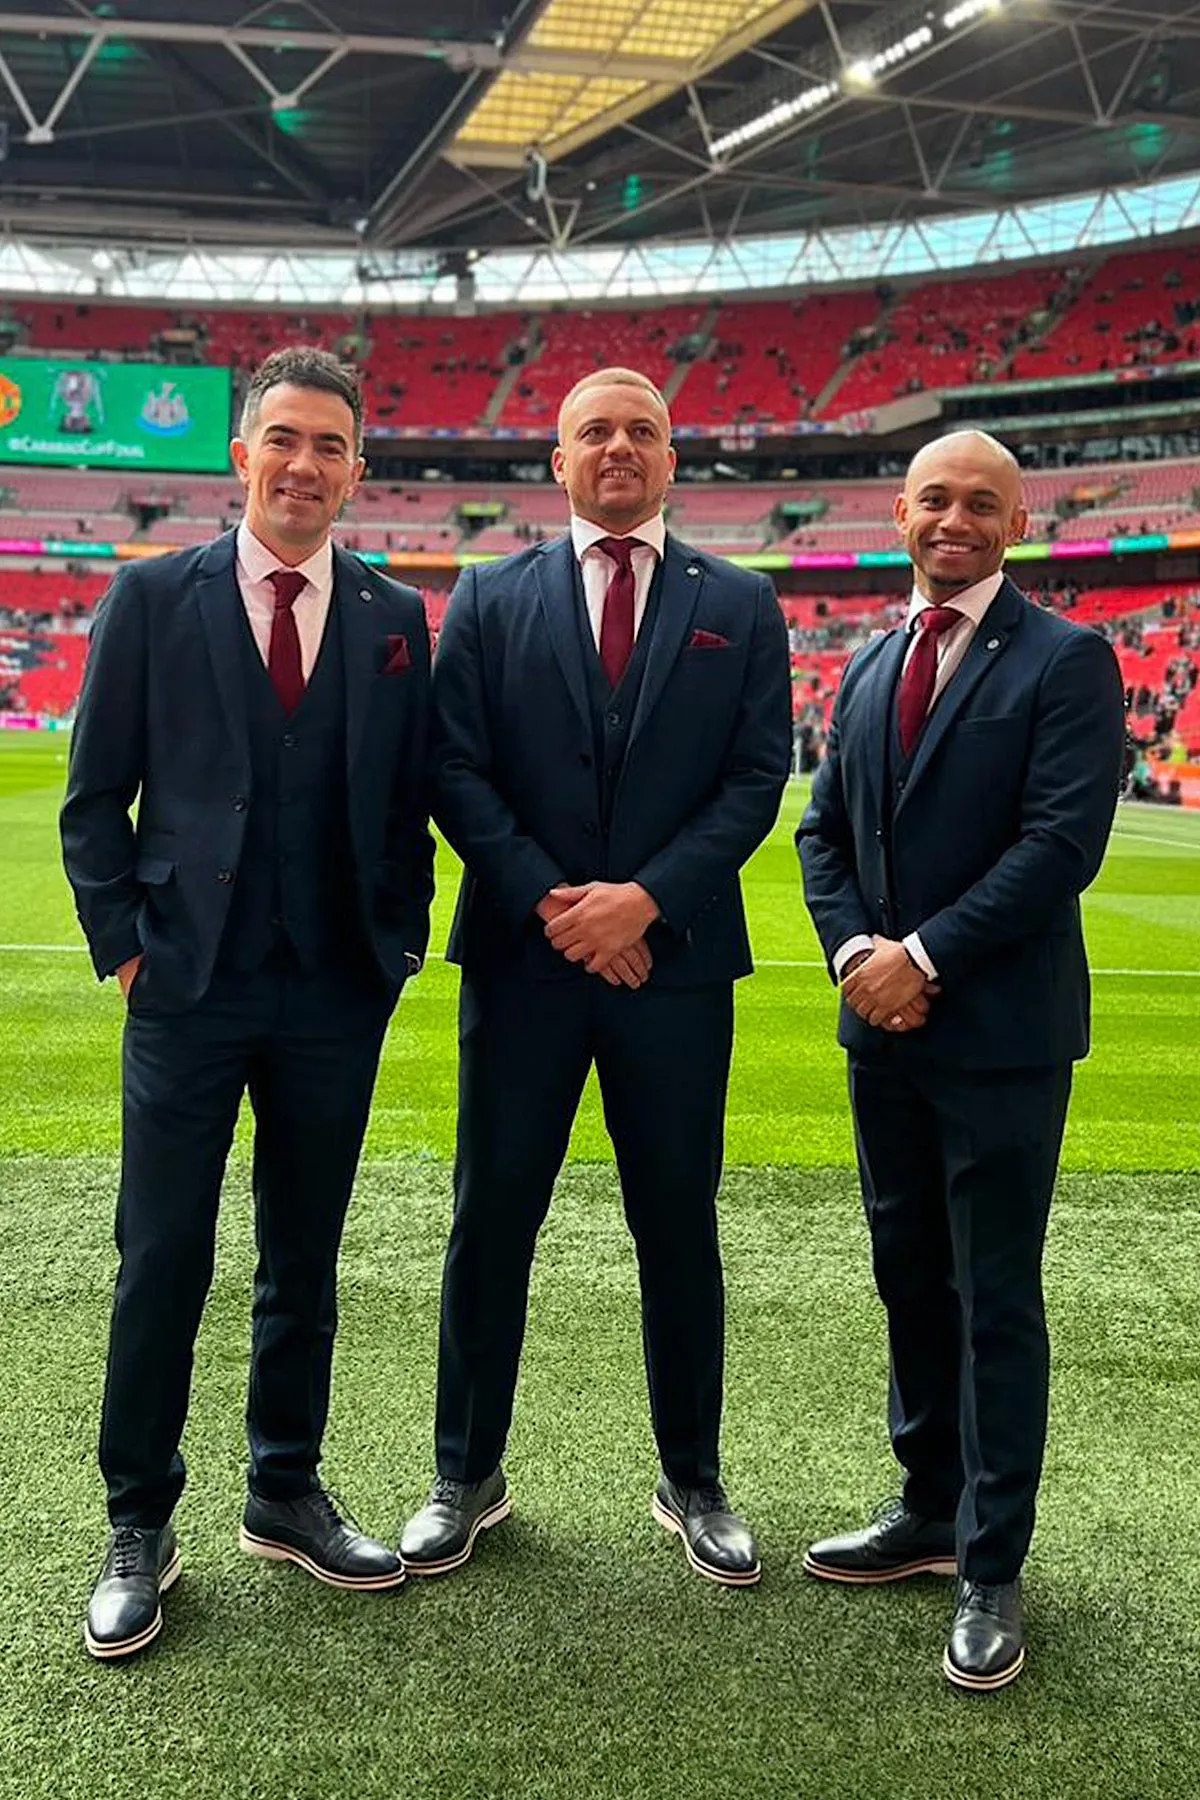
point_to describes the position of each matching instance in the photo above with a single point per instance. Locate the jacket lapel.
(222, 617)
(554, 574)
(991, 639)
(878, 702)
(353, 597)
(683, 575)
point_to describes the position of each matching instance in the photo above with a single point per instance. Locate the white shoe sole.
(274, 1551)
(500, 1509)
(926, 1565)
(710, 1571)
(130, 1646)
(982, 1684)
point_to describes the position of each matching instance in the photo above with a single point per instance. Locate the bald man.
(972, 772)
(612, 737)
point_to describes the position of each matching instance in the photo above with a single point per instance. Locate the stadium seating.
(40, 672)
(1126, 313)
(733, 364)
(947, 334)
(575, 343)
(1072, 505)
(771, 360)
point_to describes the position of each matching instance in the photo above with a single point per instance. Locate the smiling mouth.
(954, 549)
(621, 474)
(296, 494)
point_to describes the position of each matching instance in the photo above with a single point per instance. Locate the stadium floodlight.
(782, 113)
(968, 10)
(862, 72)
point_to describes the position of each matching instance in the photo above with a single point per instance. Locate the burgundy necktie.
(283, 655)
(920, 672)
(616, 624)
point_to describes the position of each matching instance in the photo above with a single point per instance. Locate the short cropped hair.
(304, 366)
(616, 377)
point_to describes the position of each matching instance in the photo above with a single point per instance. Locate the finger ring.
(896, 1019)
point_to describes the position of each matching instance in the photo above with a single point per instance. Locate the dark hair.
(304, 366)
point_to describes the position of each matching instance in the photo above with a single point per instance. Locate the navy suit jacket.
(162, 718)
(1000, 825)
(516, 790)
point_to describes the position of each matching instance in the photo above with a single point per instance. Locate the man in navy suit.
(611, 740)
(265, 699)
(964, 804)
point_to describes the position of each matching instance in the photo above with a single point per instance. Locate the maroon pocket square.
(708, 640)
(398, 657)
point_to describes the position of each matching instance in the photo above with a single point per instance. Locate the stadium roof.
(372, 126)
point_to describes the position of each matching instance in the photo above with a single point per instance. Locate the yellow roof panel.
(583, 67)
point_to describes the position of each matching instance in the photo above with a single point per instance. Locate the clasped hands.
(602, 924)
(885, 987)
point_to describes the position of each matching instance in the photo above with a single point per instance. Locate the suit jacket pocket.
(994, 724)
(153, 871)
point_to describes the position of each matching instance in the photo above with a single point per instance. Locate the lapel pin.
(692, 569)
(364, 593)
(993, 643)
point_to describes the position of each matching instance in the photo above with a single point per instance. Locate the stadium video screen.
(113, 415)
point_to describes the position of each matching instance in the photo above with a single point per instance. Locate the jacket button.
(882, 904)
(288, 740)
(589, 830)
(585, 759)
(879, 833)
(239, 803)
(612, 718)
(225, 875)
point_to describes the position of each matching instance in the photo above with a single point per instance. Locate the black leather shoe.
(124, 1614)
(986, 1647)
(896, 1544)
(312, 1533)
(442, 1535)
(718, 1544)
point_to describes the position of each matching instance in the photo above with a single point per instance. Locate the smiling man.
(264, 698)
(611, 739)
(972, 772)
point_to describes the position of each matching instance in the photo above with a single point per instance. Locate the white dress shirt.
(311, 607)
(952, 646)
(649, 539)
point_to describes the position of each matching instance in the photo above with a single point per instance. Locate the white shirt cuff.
(844, 952)
(916, 949)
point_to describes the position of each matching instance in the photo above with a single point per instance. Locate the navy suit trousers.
(662, 1058)
(306, 1049)
(957, 1171)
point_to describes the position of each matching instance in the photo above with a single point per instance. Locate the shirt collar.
(259, 562)
(972, 602)
(651, 532)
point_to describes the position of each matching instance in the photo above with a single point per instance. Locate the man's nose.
(619, 443)
(957, 519)
(302, 459)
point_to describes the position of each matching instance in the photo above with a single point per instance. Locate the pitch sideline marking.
(762, 962)
(1143, 837)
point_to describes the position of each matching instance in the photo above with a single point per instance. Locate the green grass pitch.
(576, 1656)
